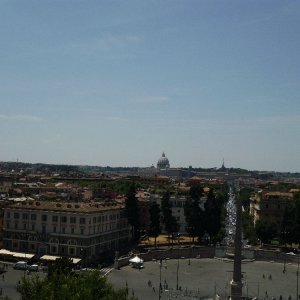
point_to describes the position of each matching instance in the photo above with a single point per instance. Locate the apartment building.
(269, 205)
(68, 229)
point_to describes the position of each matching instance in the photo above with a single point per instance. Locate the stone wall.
(190, 252)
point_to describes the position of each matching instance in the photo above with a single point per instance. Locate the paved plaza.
(9, 280)
(203, 278)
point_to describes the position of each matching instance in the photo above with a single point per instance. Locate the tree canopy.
(132, 210)
(90, 285)
(154, 226)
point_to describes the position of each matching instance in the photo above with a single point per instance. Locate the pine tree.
(154, 227)
(194, 214)
(132, 211)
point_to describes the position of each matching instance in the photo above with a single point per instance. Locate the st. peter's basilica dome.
(163, 162)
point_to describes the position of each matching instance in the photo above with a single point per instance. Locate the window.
(267, 205)
(54, 229)
(54, 218)
(16, 215)
(32, 227)
(72, 220)
(82, 220)
(25, 216)
(43, 229)
(44, 218)
(24, 226)
(63, 230)
(7, 224)
(16, 225)
(8, 215)
(94, 220)
(64, 219)
(82, 231)
(72, 230)
(33, 217)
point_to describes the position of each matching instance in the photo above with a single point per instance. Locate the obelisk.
(236, 282)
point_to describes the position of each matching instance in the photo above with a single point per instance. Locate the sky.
(116, 83)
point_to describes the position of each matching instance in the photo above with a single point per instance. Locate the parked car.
(33, 268)
(21, 265)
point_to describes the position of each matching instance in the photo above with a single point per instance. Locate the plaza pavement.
(203, 278)
(206, 277)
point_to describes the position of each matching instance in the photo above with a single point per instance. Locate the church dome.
(163, 162)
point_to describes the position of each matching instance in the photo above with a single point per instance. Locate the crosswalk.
(105, 271)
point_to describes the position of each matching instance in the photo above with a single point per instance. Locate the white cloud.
(20, 118)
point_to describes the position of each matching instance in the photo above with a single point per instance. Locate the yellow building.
(269, 205)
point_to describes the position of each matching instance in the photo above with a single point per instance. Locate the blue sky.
(119, 82)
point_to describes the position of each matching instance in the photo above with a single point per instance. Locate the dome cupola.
(163, 162)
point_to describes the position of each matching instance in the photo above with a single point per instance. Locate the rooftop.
(67, 206)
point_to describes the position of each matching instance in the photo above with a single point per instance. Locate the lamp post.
(177, 270)
(297, 274)
(160, 287)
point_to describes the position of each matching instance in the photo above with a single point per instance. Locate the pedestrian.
(270, 277)
(3, 277)
(153, 289)
(149, 283)
(263, 276)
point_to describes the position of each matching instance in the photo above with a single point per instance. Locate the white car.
(33, 268)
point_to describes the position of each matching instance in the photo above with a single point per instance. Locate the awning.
(53, 258)
(16, 254)
(23, 255)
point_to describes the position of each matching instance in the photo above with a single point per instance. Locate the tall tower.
(236, 282)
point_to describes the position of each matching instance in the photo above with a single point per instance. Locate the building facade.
(269, 205)
(84, 230)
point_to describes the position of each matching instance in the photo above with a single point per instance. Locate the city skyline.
(114, 83)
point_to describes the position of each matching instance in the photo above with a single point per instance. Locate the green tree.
(154, 227)
(171, 225)
(194, 214)
(132, 211)
(213, 216)
(290, 227)
(266, 230)
(248, 227)
(89, 286)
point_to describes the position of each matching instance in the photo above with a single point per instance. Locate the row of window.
(63, 230)
(63, 219)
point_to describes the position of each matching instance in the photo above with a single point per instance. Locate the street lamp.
(160, 287)
(297, 274)
(177, 271)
